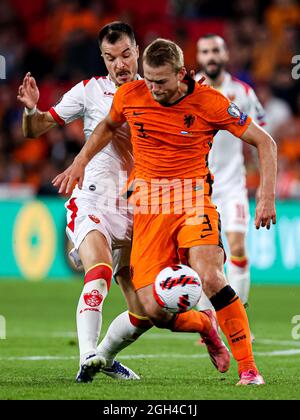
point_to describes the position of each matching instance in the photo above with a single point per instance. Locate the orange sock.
(233, 321)
(191, 321)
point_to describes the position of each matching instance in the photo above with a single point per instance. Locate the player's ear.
(181, 74)
(137, 49)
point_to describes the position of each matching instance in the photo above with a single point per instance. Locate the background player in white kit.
(99, 226)
(226, 161)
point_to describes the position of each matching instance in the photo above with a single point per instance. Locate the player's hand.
(72, 175)
(265, 212)
(28, 92)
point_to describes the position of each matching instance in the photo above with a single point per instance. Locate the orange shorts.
(160, 240)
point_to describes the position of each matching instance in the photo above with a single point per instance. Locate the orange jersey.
(174, 141)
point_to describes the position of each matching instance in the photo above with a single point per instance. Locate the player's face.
(212, 56)
(163, 82)
(121, 60)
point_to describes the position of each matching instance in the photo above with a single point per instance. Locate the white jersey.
(98, 206)
(91, 100)
(226, 159)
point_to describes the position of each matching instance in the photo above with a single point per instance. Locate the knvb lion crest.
(189, 120)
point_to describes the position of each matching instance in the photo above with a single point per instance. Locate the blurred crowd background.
(56, 40)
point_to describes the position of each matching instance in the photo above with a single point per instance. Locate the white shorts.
(234, 210)
(87, 212)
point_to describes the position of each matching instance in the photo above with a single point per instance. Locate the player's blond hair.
(163, 51)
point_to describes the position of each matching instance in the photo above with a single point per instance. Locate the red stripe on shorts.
(74, 209)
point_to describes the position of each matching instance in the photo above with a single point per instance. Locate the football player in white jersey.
(226, 161)
(98, 223)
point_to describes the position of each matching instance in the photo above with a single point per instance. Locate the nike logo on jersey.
(204, 236)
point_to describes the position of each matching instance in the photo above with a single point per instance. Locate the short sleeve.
(226, 115)
(70, 107)
(116, 112)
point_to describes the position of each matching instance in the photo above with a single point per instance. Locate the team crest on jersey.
(233, 110)
(94, 218)
(189, 120)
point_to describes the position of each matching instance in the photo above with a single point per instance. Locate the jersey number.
(141, 130)
(208, 229)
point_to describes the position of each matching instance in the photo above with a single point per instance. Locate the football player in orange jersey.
(173, 120)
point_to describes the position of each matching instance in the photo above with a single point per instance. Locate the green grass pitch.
(39, 357)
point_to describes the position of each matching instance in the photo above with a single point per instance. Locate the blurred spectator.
(12, 48)
(48, 172)
(57, 41)
(281, 13)
(264, 54)
(288, 136)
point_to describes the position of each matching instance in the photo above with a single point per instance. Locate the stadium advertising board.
(33, 243)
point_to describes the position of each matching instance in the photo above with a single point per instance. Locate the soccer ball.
(177, 288)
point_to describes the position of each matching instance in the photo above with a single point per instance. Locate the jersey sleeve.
(116, 112)
(226, 115)
(70, 107)
(256, 110)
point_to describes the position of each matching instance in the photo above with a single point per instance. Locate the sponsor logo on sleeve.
(243, 118)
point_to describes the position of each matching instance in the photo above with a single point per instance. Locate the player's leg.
(95, 255)
(124, 330)
(207, 261)
(235, 220)
(153, 249)
(238, 272)
(202, 322)
(234, 213)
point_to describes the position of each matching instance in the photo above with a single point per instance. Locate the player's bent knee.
(213, 282)
(238, 250)
(157, 316)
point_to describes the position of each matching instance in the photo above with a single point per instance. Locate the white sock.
(120, 334)
(239, 280)
(89, 316)
(204, 303)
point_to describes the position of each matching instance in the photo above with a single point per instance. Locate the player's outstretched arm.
(267, 153)
(100, 137)
(34, 122)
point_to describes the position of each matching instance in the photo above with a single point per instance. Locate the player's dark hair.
(161, 52)
(114, 31)
(210, 35)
